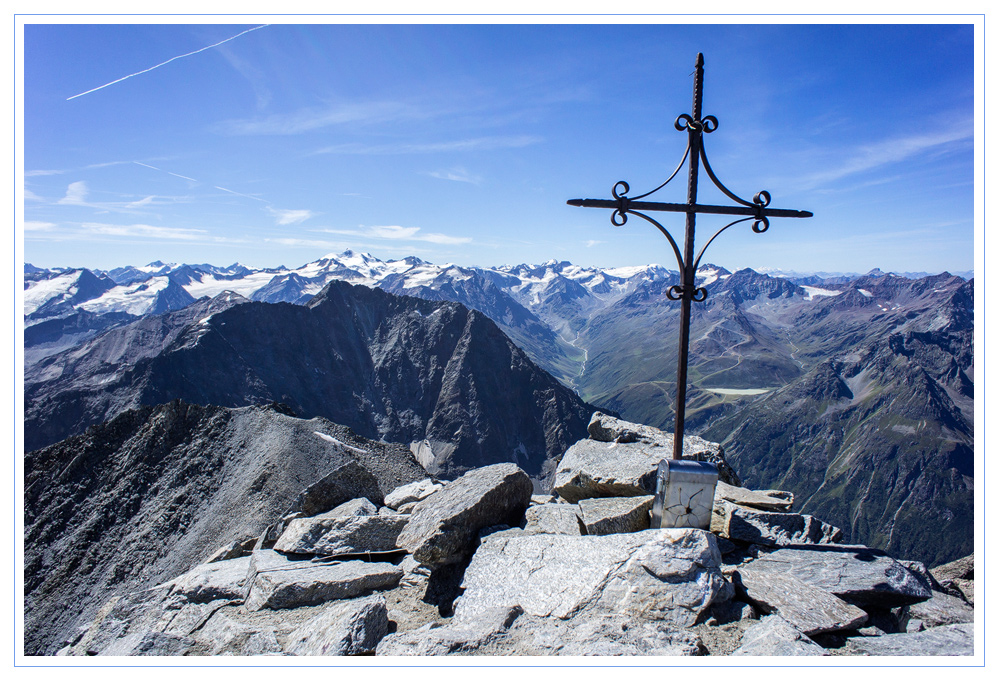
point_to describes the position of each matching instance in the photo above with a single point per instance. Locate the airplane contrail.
(137, 73)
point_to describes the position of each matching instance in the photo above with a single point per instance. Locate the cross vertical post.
(756, 210)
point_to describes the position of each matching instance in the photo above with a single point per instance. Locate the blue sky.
(461, 143)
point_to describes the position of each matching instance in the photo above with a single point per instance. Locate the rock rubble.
(479, 566)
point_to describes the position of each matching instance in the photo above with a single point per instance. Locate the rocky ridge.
(511, 574)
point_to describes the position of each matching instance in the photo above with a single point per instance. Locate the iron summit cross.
(756, 210)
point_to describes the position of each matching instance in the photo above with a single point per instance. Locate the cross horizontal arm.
(690, 208)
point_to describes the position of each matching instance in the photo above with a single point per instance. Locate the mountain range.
(854, 392)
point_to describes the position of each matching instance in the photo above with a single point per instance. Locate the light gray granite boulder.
(340, 485)
(559, 519)
(942, 609)
(412, 492)
(359, 506)
(946, 640)
(326, 535)
(346, 628)
(810, 610)
(470, 635)
(773, 636)
(234, 550)
(443, 528)
(666, 574)
(607, 515)
(767, 500)
(224, 636)
(208, 582)
(768, 527)
(607, 429)
(860, 575)
(958, 577)
(276, 582)
(592, 468)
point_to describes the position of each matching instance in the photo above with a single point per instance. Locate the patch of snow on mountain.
(813, 292)
(865, 293)
(134, 299)
(39, 293)
(211, 286)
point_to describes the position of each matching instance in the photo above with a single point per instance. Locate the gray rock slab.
(543, 499)
(593, 468)
(607, 515)
(666, 574)
(348, 628)
(859, 575)
(773, 636)
(345, 483)
(767, 500)
(412, 492)
(359, 506)
(964, 568)
(224, 636)
(607, 429)
(558, 519)
(443, 528)
(461, 636)
(942, 609)
(208, 582)
(810, 610)
(328, 535)
(770, 528)
(946, 640)
(287, 585)
(603, 635)
(234, 550)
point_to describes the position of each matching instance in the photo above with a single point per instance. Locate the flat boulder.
(810, 610)
(774, 636)
(947, 640)
(559, 519)
(607, 515)
(208, 582)
(769, 527)
(766, 500)
(942, 609)
(330, 535)
(347, 628)
(860, 575)
(667, 574)
(444, 527)
(276, 582)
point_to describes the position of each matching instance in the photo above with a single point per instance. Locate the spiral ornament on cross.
(756, 211)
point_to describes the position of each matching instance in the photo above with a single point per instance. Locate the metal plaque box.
(685, 492)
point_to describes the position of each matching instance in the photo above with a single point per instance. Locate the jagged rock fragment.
(560, 519)
(359, 506)
(607, 515)
(767, 500)
(942, 609)
(810, 610)
(325, 535)
(770, 528)
(348, 628)
(665, 574)
(607, 429)
(946, 640)
(773, 636)
(442, 528)
(957, 578)
(347, 482)
(412, 492)
(859, 575)
(234, 550)
(460, 636)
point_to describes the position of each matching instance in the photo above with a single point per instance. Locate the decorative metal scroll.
(757, 210)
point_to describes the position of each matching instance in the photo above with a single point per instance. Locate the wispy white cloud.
(593, 242)
(290, 216)
(176, 175)
(315, 118)
(397, 232)
(145, 231)
(37, 226)
(34, 173)
(457, 174)
(142, 202)
(467, 145)
(240, 194)
(188, 54)
(76, 194)
(891, 151)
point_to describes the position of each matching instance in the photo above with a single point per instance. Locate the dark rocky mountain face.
(134, 501)
(878, 440)
(394, 368)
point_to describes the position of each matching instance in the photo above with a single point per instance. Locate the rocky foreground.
(480, 566)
